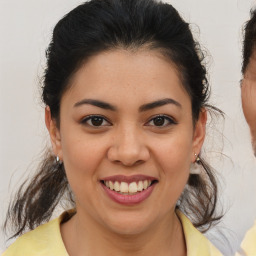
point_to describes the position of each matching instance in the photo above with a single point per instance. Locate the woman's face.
(126, 122)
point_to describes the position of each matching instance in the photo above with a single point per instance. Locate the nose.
(128, 147)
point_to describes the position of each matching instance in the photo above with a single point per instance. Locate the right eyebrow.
(97, 103)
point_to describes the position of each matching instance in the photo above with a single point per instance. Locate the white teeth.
(124, 187)
(145, 184)
(111, 185)
(133, 188)
(116, 186)
(140, 186)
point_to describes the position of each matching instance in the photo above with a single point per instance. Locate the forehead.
(122, 74)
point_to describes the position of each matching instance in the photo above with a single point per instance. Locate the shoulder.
(248, 246)
(197, 243)
(44, 240)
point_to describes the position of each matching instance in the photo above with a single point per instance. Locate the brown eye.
(161, 121)
(95, 121)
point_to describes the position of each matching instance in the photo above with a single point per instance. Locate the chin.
(130, 225)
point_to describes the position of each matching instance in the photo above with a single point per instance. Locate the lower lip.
(129, 199)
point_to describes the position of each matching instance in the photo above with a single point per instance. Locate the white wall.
(25, 29)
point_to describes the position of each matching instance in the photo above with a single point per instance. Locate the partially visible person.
(249, 76)
(248, 90)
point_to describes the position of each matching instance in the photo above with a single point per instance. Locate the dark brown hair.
(249, 39)
(94, 27)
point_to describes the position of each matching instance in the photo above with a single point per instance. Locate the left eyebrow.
(159, 103)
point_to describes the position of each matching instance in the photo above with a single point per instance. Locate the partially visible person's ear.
(53, 132)
(199, 133)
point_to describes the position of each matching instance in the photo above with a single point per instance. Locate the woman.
(125, 94)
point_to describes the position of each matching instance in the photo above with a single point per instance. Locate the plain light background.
(25, 31)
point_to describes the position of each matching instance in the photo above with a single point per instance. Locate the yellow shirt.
(248, 246)
(46, 240)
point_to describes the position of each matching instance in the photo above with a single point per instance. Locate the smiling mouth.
(128, 188)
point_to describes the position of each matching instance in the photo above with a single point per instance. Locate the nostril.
(128, 155)
(132, 163)
(128, 163)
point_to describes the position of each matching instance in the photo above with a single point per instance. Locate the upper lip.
(128, 179)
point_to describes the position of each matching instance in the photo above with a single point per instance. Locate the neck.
(83, 236)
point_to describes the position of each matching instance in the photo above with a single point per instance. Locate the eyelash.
(87, 119)
(170, 121)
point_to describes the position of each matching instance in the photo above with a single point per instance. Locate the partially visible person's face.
(249, 97)
(127, 122)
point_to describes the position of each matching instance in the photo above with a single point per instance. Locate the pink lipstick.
(128, 190)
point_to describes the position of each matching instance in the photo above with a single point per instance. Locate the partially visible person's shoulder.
(44, 240)
(248, 246)
(197, 243)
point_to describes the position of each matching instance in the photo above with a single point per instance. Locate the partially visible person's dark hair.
(102, 25)
(249, 43)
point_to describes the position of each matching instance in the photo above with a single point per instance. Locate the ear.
(199, 133)
(54, 133)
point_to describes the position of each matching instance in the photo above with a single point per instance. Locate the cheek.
(174, 159)
(175, 164)
(81, 155)
(81, 159)
(248, 100)
(174, 154)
